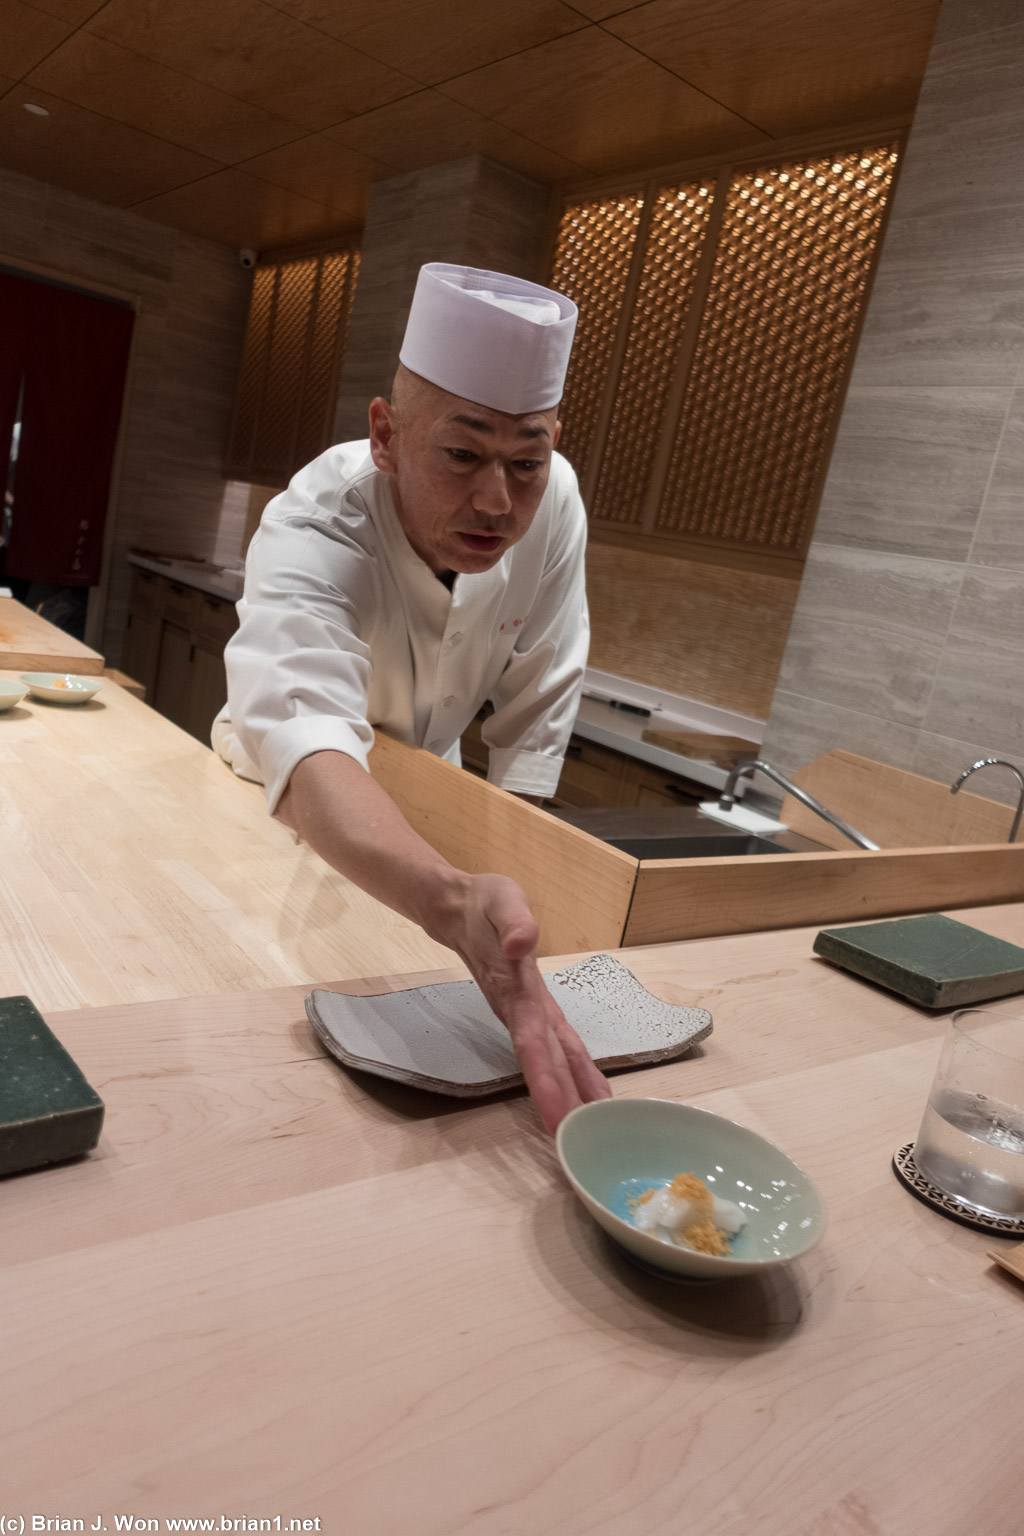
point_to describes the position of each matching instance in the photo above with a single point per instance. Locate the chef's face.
(467, 479)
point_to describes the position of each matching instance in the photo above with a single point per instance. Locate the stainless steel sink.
(715, 846)
(678, 832)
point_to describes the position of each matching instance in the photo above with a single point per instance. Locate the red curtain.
(71, 349)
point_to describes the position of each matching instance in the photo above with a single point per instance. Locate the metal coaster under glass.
(908, 1173)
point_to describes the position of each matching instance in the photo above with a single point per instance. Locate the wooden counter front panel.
(579, 888)
(694, 898)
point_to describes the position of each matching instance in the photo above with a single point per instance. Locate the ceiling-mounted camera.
(248, 258)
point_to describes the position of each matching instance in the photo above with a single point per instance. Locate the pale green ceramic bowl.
(618, 1148)
(10, 694)
(62, 687)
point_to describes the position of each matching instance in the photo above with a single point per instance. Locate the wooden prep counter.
(29, 643)
(135, 865)
(280, 1289)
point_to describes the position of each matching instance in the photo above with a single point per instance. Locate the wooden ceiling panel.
(75, 11)
(241, 210)
(597, 101)
(248, 49)
(28, 36)
(322, 170)
(92, 154)
(791, 68)
(429, 128)
(597, 10)
(106, 78)
(433, 42)
(263, 122)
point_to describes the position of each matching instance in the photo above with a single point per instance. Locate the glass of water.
(971, 1141)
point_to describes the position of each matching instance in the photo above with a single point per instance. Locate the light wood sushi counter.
(282, 1292)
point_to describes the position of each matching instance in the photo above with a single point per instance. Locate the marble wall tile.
(979, 690)
(874, 671)
(108, 245)
(947, 308)
(968, 21)
(801, 729)
(989, 612)
(898, 594)
(967, 117)
(999, 538)
(869, 629)
(910, 469)
(944, 758)
(22, 218)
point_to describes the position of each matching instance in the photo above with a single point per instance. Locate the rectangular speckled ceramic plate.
(446, 1039)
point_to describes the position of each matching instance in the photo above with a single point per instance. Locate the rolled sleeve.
(298, 667)
(285, 745)
(525, 773)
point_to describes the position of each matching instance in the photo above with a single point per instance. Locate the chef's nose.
(491, 493)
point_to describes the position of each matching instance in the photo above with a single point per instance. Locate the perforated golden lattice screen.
(790, 270)
(327, 345)
(675, 235)
(591, 265)
(254, 362)
(282, 389)
(298, 320)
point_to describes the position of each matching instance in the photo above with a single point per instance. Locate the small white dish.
(62, 687)
(10, 694)
(615, 1149)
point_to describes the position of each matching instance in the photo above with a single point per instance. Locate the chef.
(402, 582)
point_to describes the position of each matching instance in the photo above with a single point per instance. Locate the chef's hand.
(496, 935)
(335, 807)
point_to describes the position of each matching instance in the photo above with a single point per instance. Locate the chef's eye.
(529, 465)
(461, 455)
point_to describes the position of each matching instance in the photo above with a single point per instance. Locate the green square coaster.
(931, 960)
(48, 1111)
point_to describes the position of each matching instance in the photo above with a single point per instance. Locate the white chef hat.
(497, 340)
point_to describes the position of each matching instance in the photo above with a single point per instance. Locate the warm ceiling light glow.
(30, 106)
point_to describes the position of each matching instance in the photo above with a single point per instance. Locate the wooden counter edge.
(701, 898)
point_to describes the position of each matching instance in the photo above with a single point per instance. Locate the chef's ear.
(558, 433)
(382, 435)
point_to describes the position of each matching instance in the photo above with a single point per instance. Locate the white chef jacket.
(343, 627)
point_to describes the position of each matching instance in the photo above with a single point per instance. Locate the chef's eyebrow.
(479, 425)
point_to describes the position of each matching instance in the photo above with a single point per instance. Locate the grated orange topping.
(701, 1234)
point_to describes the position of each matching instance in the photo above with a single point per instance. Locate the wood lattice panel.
(791, 267)
(679, 219)
(591, 265)
(298, 321)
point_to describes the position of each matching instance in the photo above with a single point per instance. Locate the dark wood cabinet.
(174, 645)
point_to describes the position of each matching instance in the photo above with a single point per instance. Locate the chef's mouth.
(481, 543)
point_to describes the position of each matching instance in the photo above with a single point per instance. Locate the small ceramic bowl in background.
(62, 687)
(10, 693)
(614, 1150)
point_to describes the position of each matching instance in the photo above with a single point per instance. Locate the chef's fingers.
(532, 1019)
(590, 1082)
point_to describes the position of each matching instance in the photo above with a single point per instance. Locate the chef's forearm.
(344, 815)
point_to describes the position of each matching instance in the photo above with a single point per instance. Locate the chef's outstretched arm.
(338, 809)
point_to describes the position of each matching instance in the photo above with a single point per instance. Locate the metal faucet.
(728, 799)
(996, 762)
